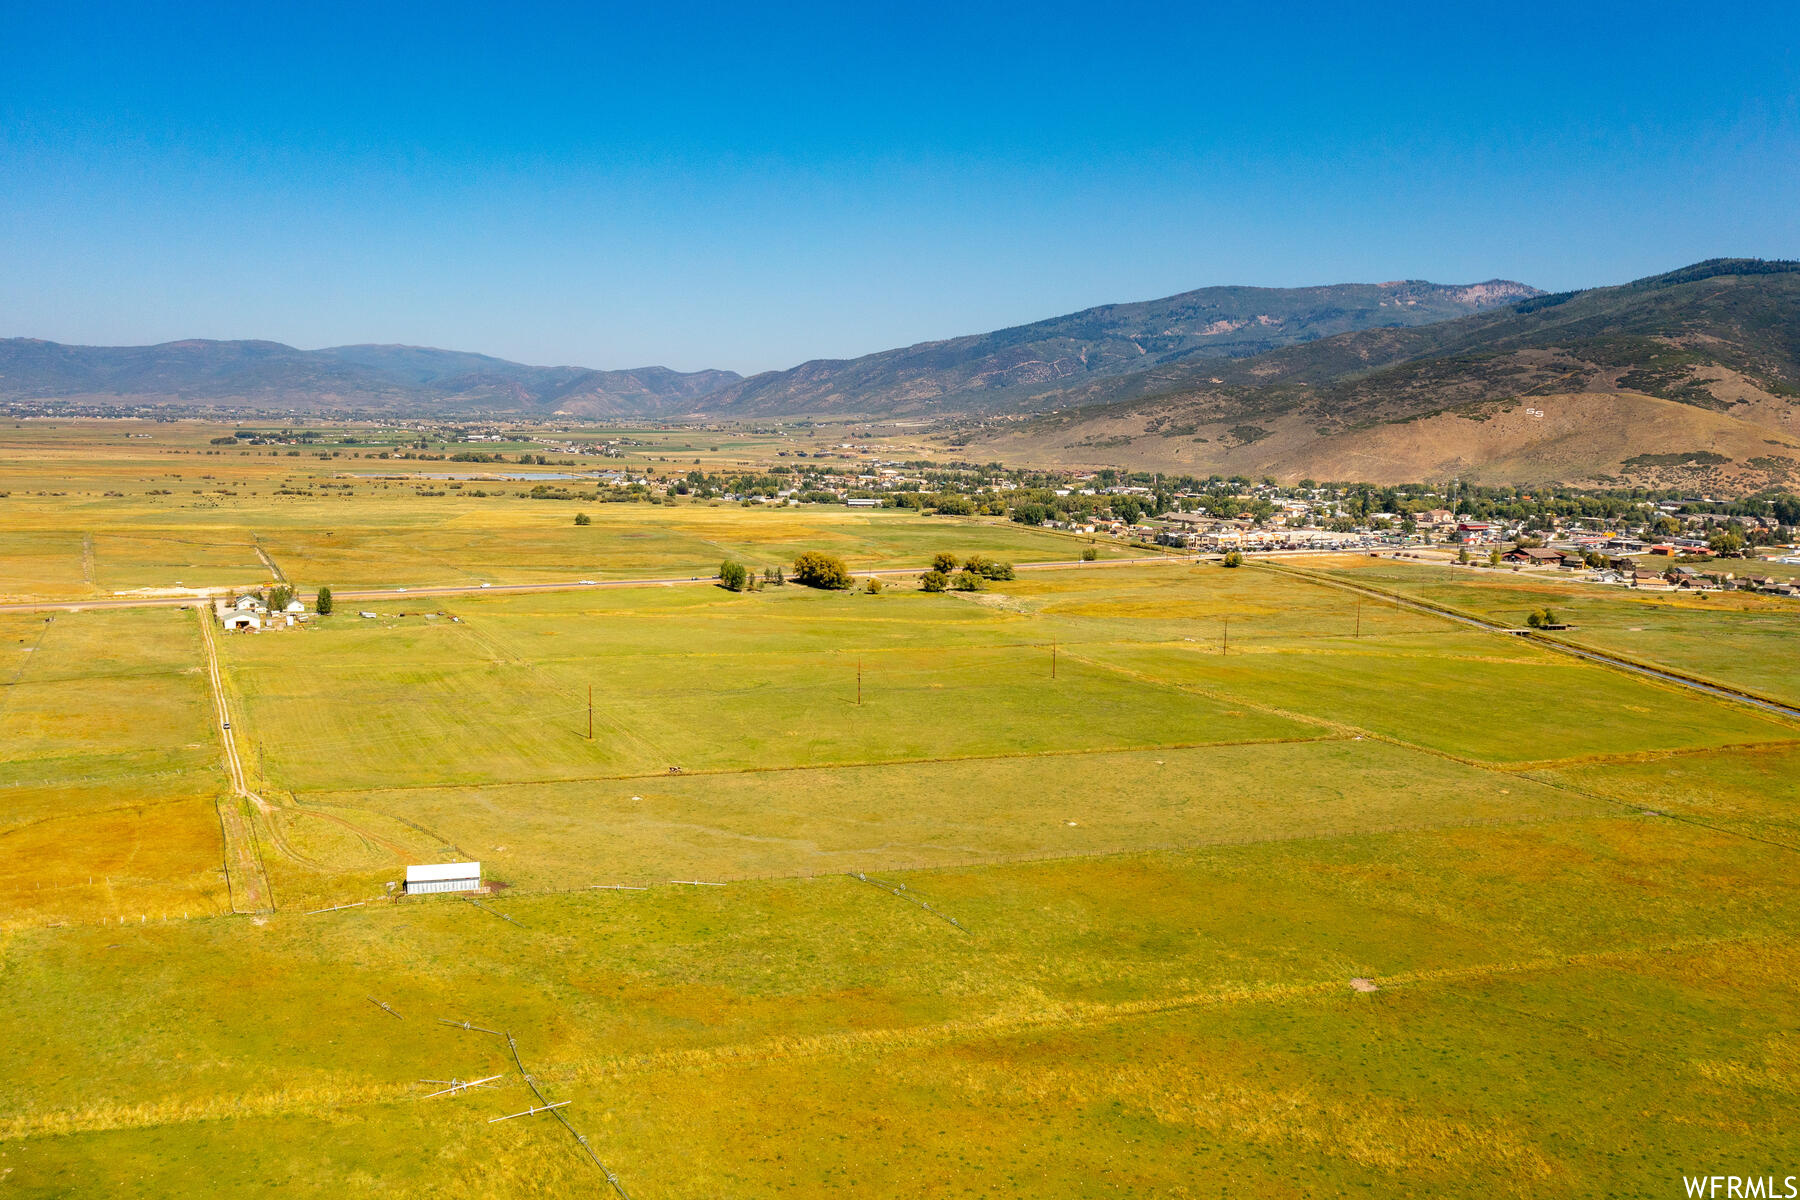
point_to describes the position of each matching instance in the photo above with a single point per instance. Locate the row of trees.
(816, 569)
(734, 576)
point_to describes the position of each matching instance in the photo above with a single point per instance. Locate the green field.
(1131, 832)
(1745, 640)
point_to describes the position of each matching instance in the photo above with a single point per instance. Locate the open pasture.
(700, 680)
(90, 511)
(470, 734)
(1549, 994)
(1743, 640)
(443, 541)
(922, 814)
(108, 769)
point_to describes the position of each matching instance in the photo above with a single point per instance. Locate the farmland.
(1131, 831)
(1738, 638)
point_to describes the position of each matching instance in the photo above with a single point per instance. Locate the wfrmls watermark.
(1742, 1187)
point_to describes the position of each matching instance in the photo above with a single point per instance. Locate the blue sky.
(703, 185)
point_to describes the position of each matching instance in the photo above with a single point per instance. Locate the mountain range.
(1690, 376)
(412, 379)
(983, 371)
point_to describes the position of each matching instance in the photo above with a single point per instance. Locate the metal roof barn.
(443, 877)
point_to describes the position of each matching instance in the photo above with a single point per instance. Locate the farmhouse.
(236, 617)
(443, 877)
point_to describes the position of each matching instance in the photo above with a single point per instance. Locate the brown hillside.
(1580, 437)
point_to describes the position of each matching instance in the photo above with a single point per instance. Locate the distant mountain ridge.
(1692, 376)
(1006, 368)
(410, 379)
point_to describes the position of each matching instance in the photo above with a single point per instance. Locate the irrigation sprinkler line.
(617, 887)
(556, 1111)
(384, 1008)
(469, 1027)
(459, 1085)
(484, 908)
(531, 1111)
(900, 891)
(315, 912)
(696, 883)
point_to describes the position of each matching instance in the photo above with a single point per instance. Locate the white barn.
(443, 877)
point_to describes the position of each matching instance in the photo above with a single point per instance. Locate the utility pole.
(1359, 617)
(1053, 660)
(1225, 641)
(590, 712)
(859, 683)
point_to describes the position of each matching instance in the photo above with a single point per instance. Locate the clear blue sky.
(704, 185)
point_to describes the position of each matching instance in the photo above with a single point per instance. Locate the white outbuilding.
(443, 877)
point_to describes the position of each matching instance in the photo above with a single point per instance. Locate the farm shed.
(443, 877)
(242, 620)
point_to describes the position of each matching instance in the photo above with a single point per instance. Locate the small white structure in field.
(443, 877)
(294, 606)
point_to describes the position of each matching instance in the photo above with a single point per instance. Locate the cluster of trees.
(734, 576)
(947, 504)
(1541, 618)
(1036, 506)
(817, 569)
(966, 575)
